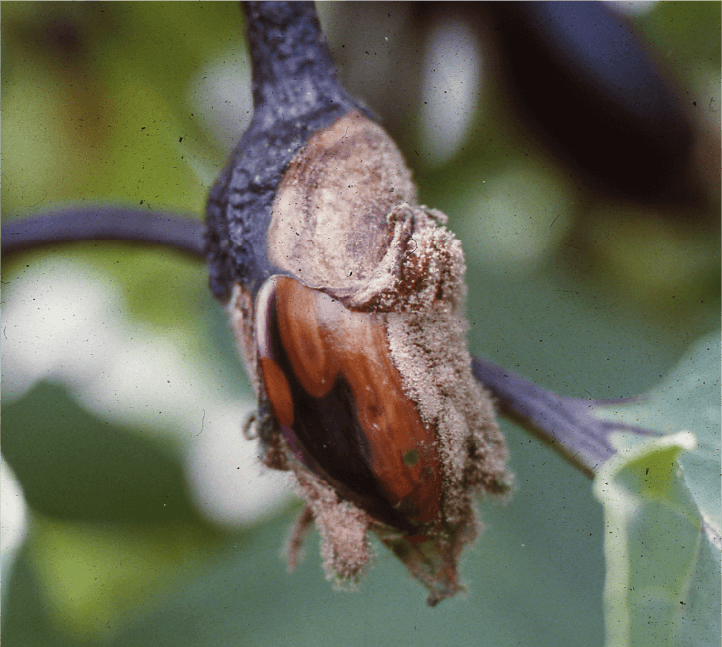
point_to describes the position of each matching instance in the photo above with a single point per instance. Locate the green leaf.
(688, 399)
(73, 465)
(662, 508)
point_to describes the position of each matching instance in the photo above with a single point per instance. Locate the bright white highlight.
(638, 8)
(451, 87)
(13, 514)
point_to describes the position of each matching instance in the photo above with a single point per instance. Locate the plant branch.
(184, 233)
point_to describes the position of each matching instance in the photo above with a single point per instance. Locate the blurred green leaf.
(73, 465)
(164, 584)
(78, 583)
(245, 596)
(681, 33)
(26, 622)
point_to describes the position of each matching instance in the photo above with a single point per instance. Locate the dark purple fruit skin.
(295, 94)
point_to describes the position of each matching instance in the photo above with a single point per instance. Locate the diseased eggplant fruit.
(351, 325)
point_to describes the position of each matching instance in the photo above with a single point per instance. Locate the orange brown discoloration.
(359, 347)
(278, 390)
(323, 341)
(305, 341)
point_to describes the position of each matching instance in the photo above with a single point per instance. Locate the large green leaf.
(687, 400)
(242, 594)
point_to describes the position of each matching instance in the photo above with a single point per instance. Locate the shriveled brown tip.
(298, 534)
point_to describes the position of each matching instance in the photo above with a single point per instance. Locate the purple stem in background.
(567, 424)
(72, 225)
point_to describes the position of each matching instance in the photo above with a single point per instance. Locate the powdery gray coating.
(417, 268)
(429, 350)
(420, 285)
(344, 545)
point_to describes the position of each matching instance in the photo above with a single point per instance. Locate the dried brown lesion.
(329, 224)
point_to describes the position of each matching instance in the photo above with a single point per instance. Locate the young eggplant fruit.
(355, 341)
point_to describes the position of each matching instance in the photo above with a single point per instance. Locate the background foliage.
(146, 520)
